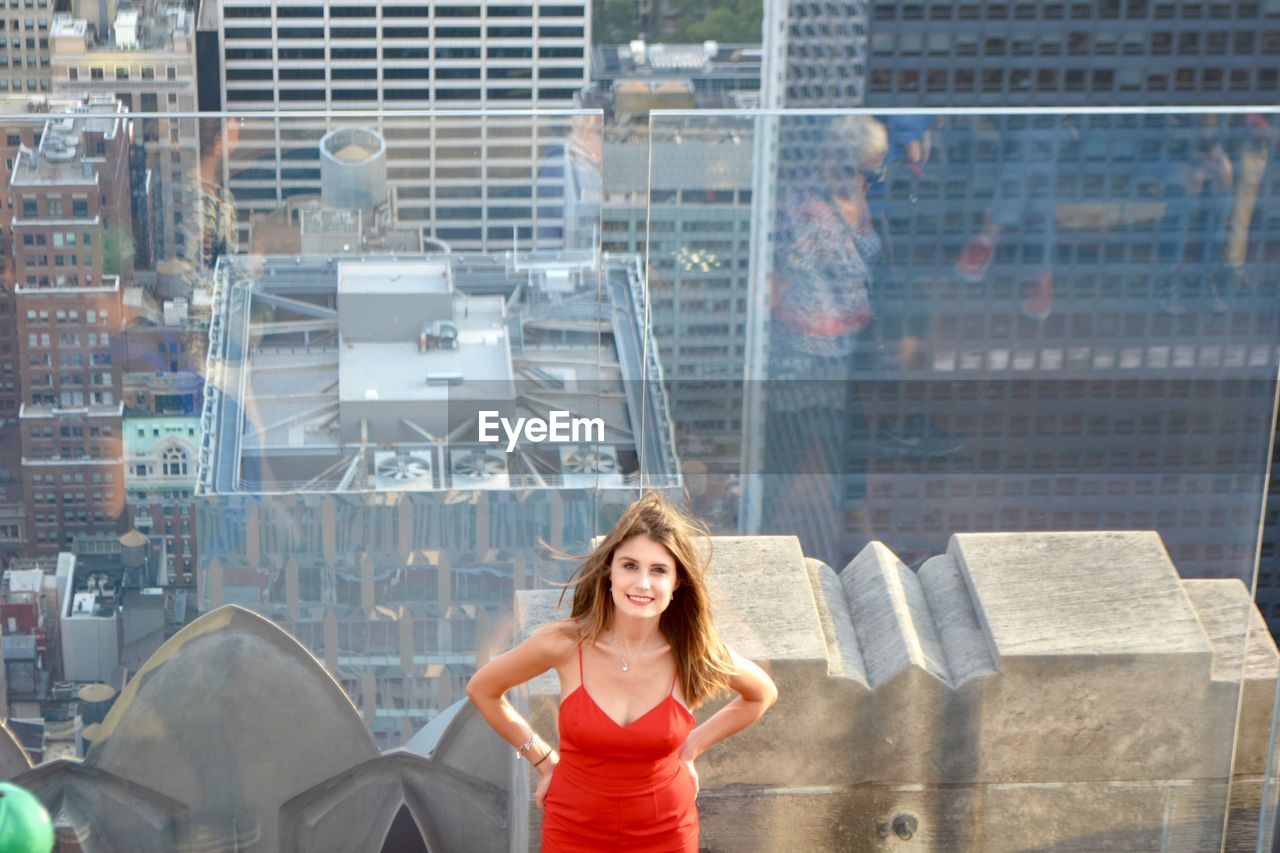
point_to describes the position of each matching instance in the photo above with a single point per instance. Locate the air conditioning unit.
(402, 472)
(590, 466)
(478, 469)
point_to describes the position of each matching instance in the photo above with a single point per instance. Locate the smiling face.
(644, 575)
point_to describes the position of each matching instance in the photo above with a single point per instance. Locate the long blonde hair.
(702, 659)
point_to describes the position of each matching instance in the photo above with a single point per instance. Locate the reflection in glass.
(971, 322)
(356, 485)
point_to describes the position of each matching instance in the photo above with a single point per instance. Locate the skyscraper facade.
(24, 46)
(692, 222)
(403, 56)
(1036, 250)
(71, 227)
(1122, 52)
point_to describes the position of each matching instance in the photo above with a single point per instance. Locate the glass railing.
(896, 328)
(299, 364)
(372, 376)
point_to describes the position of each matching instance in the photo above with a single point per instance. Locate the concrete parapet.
(1061, 691)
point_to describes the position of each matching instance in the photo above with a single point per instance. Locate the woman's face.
(643, 577)
(854, 168)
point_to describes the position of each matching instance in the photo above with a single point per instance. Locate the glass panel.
(896, 328)
(265, 343)
(368, 375)
(384, 510)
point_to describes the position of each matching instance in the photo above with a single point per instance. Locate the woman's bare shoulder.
(555, 640)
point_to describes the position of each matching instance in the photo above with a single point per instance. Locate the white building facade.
(460, 181)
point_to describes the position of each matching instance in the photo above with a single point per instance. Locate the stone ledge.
(1070, 676)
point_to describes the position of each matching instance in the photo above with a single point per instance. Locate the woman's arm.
(546, 648)
(756, 693)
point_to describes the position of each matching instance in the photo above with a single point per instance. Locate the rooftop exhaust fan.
(401, 471)
(477, 469)
(590, 466)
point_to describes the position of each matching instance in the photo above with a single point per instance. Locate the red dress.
(621, 787)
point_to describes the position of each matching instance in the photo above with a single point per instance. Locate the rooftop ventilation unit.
(437, 334)
(402, 472)
(590, 466)
(55, 151)
(476, 469)
(445, 378)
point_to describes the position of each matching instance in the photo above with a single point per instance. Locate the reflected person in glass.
(827, 244)
(639, 650)
(822, 339)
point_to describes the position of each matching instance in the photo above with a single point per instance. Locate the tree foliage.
(118, 250)
(726, 21)
(614, 21)
(690, 21)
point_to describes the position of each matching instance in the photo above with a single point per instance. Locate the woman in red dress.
(639, 651)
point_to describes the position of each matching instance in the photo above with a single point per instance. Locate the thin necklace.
(626, 667)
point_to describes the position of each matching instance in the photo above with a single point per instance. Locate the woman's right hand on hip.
(540, 793)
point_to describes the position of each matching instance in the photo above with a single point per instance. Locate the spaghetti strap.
(672, 691)
(581, 679)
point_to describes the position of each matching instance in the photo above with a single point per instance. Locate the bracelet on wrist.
(523, 749)
(544, 757)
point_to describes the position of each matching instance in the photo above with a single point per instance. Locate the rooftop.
(142, 434)
(315, 398)
(388, 277)
(638, 59)
(62, 156)
(158, 26)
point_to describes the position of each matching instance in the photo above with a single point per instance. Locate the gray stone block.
(844, 655)
(891, 616)
(1227, 613)
(1052, 691)
(1078, 593)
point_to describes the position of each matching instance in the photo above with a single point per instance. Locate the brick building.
(72, 261)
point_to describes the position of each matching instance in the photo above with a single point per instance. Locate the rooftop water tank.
(353, 169)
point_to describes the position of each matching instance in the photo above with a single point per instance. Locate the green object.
(25, 826)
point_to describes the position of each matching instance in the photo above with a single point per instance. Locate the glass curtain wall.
(897, 327)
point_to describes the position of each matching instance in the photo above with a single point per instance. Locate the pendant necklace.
(626, 666)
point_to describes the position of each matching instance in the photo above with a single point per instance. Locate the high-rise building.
(814, 54)
(16, 135)
(24, 46)
(1000, 54)
(691, 221)
(482, 190)
(146, 59)
(1033, 278)
(1135, 52)
(160, 459)
(13, 515)
(345, 487)
(72, 261)
(401, 55)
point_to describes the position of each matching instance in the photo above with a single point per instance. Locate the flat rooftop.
(61, 156)
(299, 407)
(389, 277)
(387, 371)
